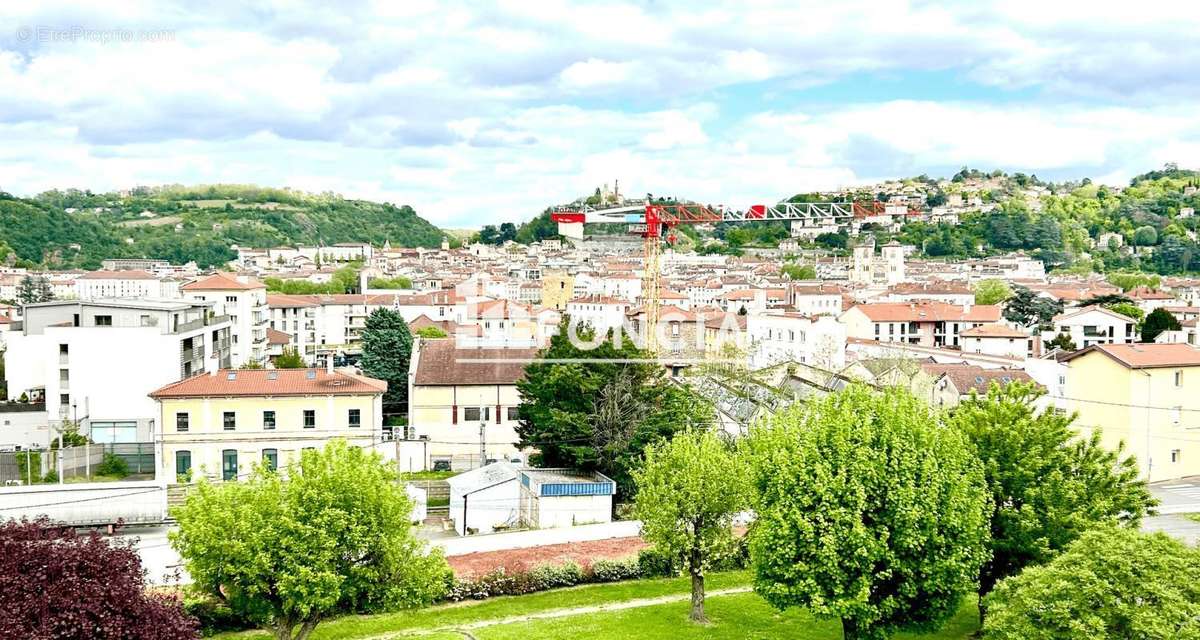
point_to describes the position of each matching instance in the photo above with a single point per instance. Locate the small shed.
(552, 498)
(485, 499)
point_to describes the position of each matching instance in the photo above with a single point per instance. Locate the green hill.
(72, 228)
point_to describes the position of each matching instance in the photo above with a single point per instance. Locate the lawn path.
(558, 613)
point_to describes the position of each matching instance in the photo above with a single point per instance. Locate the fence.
(75, 464)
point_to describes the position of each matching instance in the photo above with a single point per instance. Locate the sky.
(477, 113)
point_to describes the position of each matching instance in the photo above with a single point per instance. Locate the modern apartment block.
(244, 300)
(95, 361)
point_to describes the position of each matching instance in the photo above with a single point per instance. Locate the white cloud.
(490, 112)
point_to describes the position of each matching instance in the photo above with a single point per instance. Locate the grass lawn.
(733, 616)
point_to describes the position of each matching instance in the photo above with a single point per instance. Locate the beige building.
(558, 289)
(463, 401)
(1142, 395)
(222, 424)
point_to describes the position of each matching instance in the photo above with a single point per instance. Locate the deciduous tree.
(330, 534)
(869, 510)
(689, 490)
(992, 291)
(58, 585)
(1047, 486)
(1158, 321)
(1111, 584)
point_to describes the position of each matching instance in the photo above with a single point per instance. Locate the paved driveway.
(1176, 497)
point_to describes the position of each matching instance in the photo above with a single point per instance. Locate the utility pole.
(482, 442)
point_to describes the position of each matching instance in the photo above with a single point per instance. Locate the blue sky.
(484, 112)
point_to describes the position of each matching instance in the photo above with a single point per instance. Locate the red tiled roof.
(282, 301)
(222, 282)
(1146, 356)
(271, 382)
(275, 336)
(929, 312)
(993, 331)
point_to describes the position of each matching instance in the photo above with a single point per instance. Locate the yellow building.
(557, 289)
(221, 424)
(463, 402)
(1145, 395)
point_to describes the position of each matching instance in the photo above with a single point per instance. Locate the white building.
(485, 499)
(793, 337)
(556, 498)
(97, 360)
(816, 299)
(95, 285)
(1000, 340)
(1093, 325)
(244, 300)
(599, 312)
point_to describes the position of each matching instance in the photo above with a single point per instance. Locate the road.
(1177, 497)
(160, 561)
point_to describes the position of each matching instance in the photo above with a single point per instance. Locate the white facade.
(1093, 325)
(97, 360)
(245, 302)
(600, 313)
(121, 284)
(485, 499)
(787, 337)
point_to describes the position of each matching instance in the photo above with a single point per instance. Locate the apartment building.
(1001, 340)
(244, 300)
(795, 337)
(928, 324)
(1142, 395)
(1091, 325)
(221, 424)
(95, 361)
(95, 285)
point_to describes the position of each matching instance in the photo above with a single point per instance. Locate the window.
(1175, 455)
(181, 421)
(229, 464)
(268, 420)
(514, 414)
(146, 321)
(271, 459)
(229, 419)
(230, 298)
(475, 414)
(183, 462)
(355, 418)
(64, 349)
(310, 418)
(103, 321)
(1179, 378)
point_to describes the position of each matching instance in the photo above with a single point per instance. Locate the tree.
(1047, 486)
(1145, 236)
(387, 349)
(1062, 341)
(1127, 309)
(563, 413)
(489, 235)
(992, 291)
(1158, 321)
(34, 289)
(334, 536)
(431, 333)
(290, 358)
(799, 271)
(689, 490)
(1111, 584)
(57, 584)
(868, 510)
(1027, 308)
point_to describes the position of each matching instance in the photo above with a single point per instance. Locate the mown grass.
(742, 615)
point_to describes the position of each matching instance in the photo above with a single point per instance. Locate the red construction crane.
(655, 223)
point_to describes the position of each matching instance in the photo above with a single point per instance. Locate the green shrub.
(214, 615)
(616, 570)
(113, 465)
(653, 563)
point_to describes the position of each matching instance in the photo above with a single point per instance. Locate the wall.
(538, 537)
(485, 509)
(87, 504)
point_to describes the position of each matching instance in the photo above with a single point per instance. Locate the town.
(599, 319)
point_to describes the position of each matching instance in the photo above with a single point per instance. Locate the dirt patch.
(581, 553)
